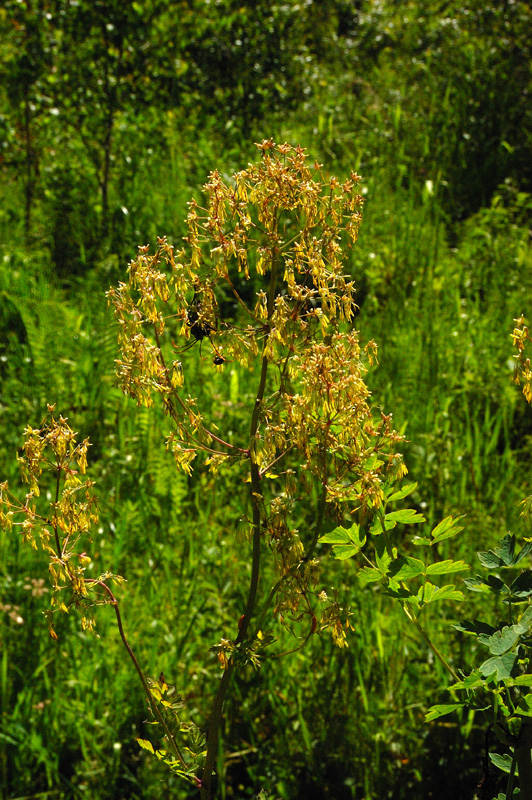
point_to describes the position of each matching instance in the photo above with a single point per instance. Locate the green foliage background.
(112, 114)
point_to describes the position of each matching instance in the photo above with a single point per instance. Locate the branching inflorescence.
(282, 228)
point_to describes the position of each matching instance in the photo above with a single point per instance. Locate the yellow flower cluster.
(523, 373)
(60, 525)
(283, 229)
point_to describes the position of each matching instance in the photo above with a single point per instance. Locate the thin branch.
(147, 691)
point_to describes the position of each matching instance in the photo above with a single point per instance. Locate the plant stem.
(30, 169)
(212, 732)
(511, 779)
(153, 705)
(255, 490)
(524, 762)
(54, 524)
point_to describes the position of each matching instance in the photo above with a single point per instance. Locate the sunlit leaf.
(337, 536)
(430, 593)
(146, 744)
(405, 515)
(343, 551)
(383, 560)
(377, 527)
(346, 541)
(402, 493)
(369, 575)
(523, 680)
(404, 569)
(525, 705)
(442, 710)
(446, 567)
(445, 529)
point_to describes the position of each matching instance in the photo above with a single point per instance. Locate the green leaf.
(525, 705)
(344, 536)
(522, 585)
(383, 560)
(503, 763)
(525, 550)
(369, 575)
(430, 593)
(489, 560)
(446, 567)
(441, 710)
(476, 584)
(402, 493)
(373, 462)
(475, 627)
(404, 569)
(503, 556)
(446, 528)
(525, 622)
(500, 641)
(146, 744)
(523, 680)
(506, 551)
(346, 541)
(405, 515)
(343, 551)
(401, 593)
(421, 541)
(473, 681)
(337, 536)
(354, 534)
(492, 584)
(376, 528)
(496, 585)
(449, 592)
(501, 665)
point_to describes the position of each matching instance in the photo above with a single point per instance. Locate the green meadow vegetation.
(265, 424)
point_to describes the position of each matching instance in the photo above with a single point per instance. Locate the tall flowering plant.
(260, 286)
(284, 228)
